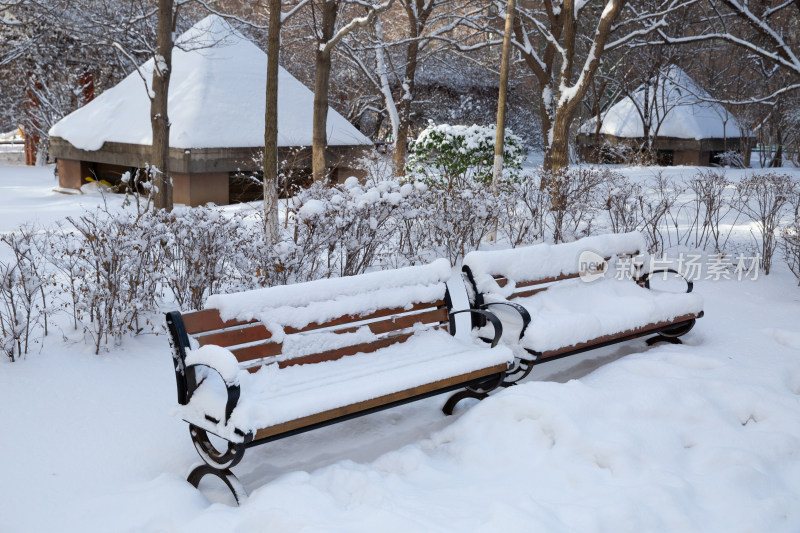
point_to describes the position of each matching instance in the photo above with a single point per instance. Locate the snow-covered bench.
(298, 357)
(560, 300)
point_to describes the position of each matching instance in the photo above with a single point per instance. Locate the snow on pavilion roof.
(216, 100)
(679, 100)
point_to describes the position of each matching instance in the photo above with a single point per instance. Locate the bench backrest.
(323, 320)
(526, 270)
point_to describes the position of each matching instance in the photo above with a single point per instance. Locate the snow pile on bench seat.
(318, 301)
(272, 396)
(573, 311)
(540, 261)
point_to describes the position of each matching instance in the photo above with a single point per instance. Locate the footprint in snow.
(785, 337)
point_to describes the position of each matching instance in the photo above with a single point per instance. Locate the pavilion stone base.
(200, 188)
(72, 174)
(689, 157)
(189, 189)
(690, 152)
(199, 176)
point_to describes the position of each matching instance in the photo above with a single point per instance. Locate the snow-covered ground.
(700, 437)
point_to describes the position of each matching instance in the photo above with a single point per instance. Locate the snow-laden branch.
(289, 14)
(357, 22)
(758, 50)
(117, 47)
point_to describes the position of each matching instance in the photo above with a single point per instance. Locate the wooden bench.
(561, 300)
(294, 358)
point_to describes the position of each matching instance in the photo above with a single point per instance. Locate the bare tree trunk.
(559, 153)
(159, 118)
(499, 140)
(271, 124)
(418, 13)
(327, 38)
(321, 88)
(547, 130)
(320, 137)
(404, 109)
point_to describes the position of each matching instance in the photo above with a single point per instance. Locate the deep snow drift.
(700, 437)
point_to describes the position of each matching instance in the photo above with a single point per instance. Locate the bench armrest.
(184, 372)
(234, 390)
(526, 316)
(644, 280)
(498, 327)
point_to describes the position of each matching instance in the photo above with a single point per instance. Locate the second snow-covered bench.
(569, 301)
(261, 365)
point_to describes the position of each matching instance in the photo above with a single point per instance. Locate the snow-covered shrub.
(573, 200)
(344, 229)
(456, 155)
(790, 239)
(522, 207)
(122, 261)
(347, 229)
(790, 244)
(23, 299)
(731, 158)
(63, 254)
(622, 201)
(626, 153)
(711, 204)
(378, 166)
(656, 210)
(457, 220)
(765, 198)
(200, 247)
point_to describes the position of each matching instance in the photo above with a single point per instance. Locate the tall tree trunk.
(322, 77)
(546, 106)
(31, 107)
(499, 140)
(404, 109)
(319, 166)
(271, 124)
(382, 70)
(159, 118)
(559, 152)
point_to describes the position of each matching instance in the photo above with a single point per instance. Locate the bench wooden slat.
(333, 355)
(502, 281)
(380, 313)
(272, 349)
(525, 294)
(375, 402)
(258, 332)
(253, 353)
(208, 320)
(231, 337)
(625, 335)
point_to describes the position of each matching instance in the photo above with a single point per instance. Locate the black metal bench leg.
(671, 334)
(479, 391)
(227, 477)
(660, 338)
(450, 405)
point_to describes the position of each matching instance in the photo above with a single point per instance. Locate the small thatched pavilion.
(216, 109)
(690, 129)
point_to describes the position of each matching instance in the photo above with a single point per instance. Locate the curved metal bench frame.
(218, 463)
